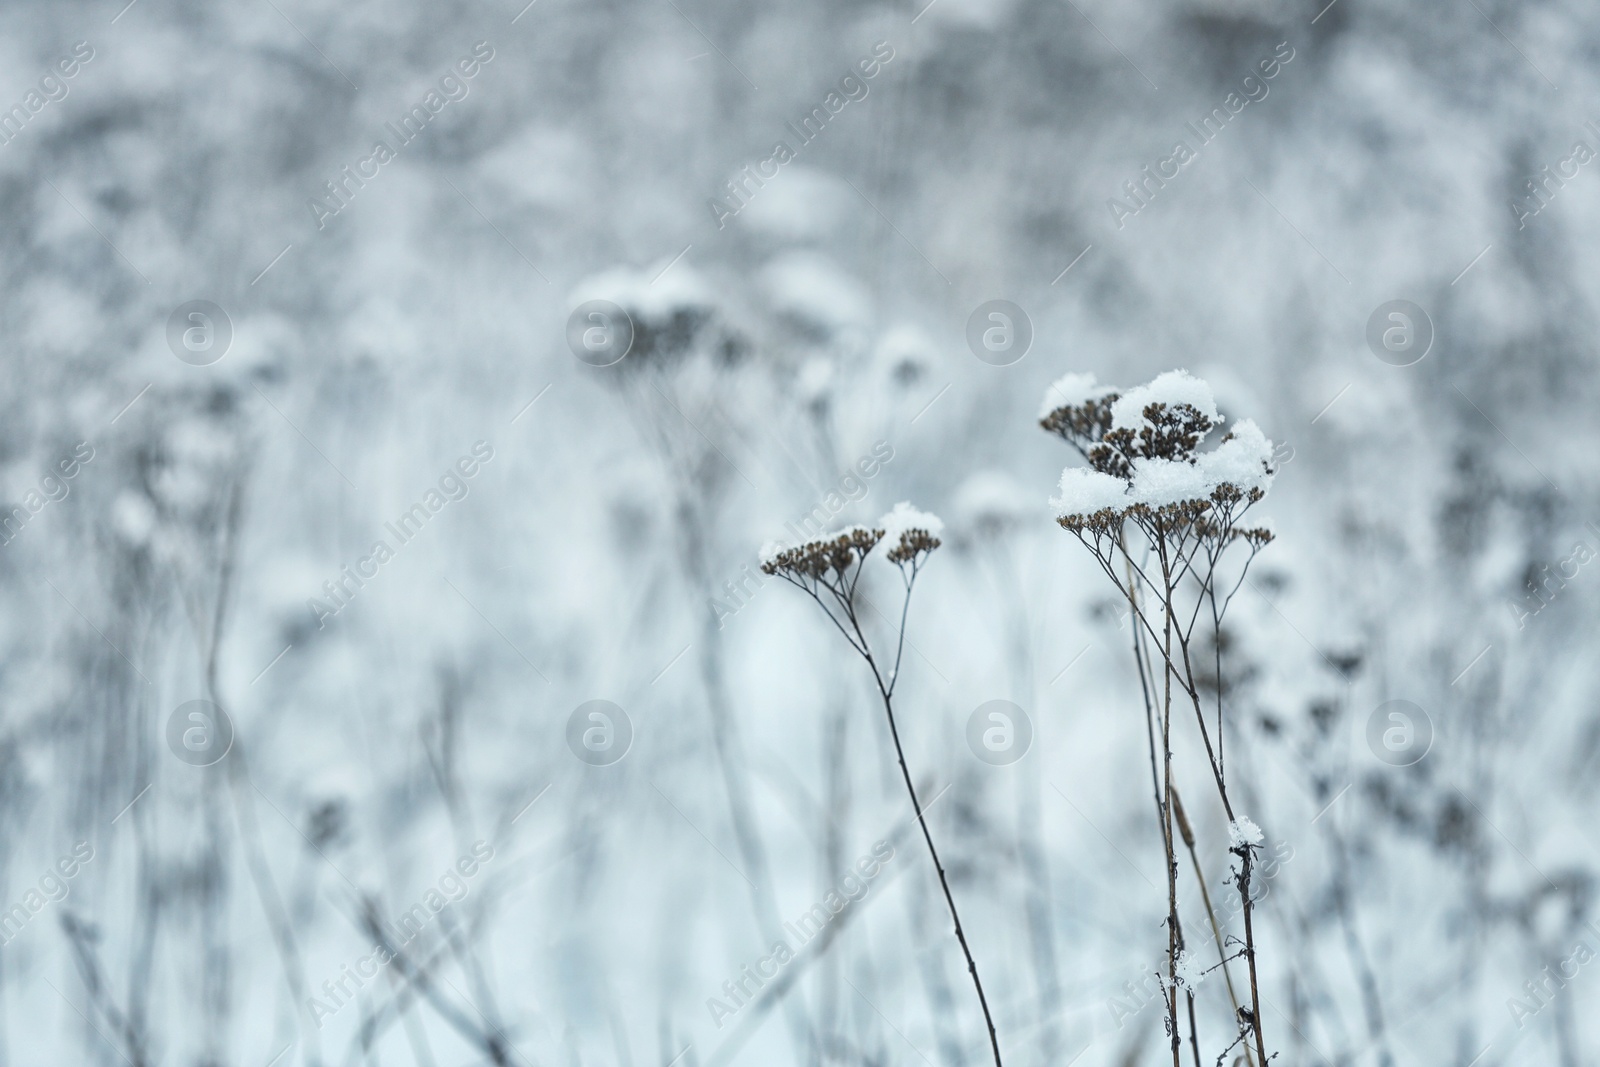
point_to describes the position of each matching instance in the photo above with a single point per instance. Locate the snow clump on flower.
(1143, 449)
(1173, 388)
(1242, 832)
(908, 531)
(1087, 492)
(1072, 390)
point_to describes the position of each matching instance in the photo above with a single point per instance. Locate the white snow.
(902, 518)
(1071, 390)
(1172, 388)
(1084, 492)
(1191, 970)
(1160, 482)
(1243, 832)
(133, 517)
(1242, 460)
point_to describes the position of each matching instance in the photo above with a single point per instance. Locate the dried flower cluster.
(1147, 473)
(1145, 463)
(910, 534)
(836, 552)
(912, 544)
(832, 565)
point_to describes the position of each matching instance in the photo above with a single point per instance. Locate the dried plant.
(829, 571)
(1162, 519)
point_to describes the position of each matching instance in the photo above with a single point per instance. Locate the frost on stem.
(1190, 970)
(1242, 833)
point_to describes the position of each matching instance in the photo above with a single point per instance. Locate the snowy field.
(508, 514)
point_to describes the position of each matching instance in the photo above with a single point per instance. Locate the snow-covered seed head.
(910, 533)
(912, 543)
(1090, 500)
(814, 559)
(1147, 463)
(1077, 409)
(1166, 419)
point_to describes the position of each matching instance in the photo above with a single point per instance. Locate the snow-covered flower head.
(1143, 448)
(648, 294)
(1089, 497)
(1077, 409)
(1166, 419)
(668, 314)
(1173, 390)
(836, 552)
(910, 533)
(1243, 459)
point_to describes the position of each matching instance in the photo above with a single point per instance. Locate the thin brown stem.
(1250, 950)
(1171, 856)
(843, 590)
(944, 882)
(1244, 851)
(1211, 913)
(1194, 1033)
(1140, 660)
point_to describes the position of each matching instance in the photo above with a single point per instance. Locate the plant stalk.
(944, 882)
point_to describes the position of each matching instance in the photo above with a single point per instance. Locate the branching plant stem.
(841, 590)
(1178, 555)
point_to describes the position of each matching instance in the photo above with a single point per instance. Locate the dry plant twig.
(829, 571)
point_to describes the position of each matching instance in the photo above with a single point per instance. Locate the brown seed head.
(815, 559)
(1081, 425)
(913, 543)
